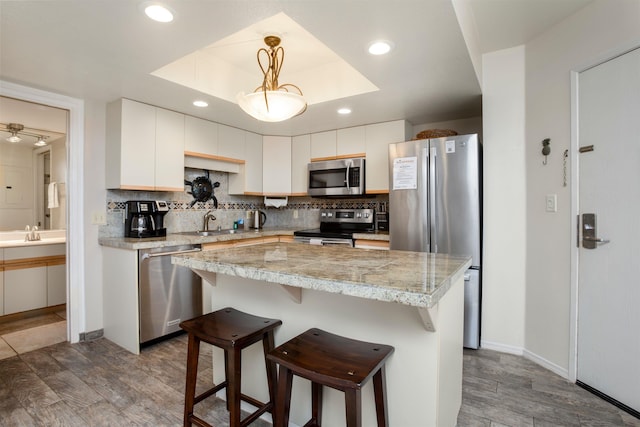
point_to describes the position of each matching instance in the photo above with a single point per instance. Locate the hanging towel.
(53, 195)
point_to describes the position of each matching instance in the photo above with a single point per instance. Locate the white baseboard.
(519, 351)
(559, 370)
(502, 348)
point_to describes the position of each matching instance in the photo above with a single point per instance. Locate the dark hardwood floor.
(98, 383)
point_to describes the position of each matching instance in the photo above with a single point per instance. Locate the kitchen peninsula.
(412, 301)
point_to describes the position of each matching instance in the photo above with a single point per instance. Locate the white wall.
(504, 200)
(594, 33)
(94, 201)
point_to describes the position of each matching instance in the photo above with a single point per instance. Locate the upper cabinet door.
(351, 142)
(300, 158)
(201, 136)
(131, 145)
(323, 145)
(276, 165)
(231, 142)
(169, 170)
(378, 138)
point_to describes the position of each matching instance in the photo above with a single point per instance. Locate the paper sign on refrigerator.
(405, 173)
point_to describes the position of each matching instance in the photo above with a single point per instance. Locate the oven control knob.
(330, 214)
(358, 215)
(366, 215)
(323, 214)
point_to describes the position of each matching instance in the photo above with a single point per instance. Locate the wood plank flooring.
(98, 383)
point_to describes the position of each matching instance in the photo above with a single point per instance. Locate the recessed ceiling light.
(158, 13)
(344, 110)
(380, 47)
(200, 103)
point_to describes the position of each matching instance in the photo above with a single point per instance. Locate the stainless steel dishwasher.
(168, 294)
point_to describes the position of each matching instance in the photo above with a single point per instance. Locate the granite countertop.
(182, 239)
(185, 239)
(415, 279)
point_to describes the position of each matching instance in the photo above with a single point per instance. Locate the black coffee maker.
(145, 218)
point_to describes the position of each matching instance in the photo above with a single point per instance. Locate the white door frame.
(76, 319)
(575, 202)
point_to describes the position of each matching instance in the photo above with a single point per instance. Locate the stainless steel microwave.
(337, 178)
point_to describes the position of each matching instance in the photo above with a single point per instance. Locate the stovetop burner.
(341, 223)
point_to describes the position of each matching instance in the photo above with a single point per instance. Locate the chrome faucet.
(205, 221)
(31, 235)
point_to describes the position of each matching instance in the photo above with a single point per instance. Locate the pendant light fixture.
(271, 102)
(14, 128)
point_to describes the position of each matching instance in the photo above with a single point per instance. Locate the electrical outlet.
(98, 218)
(295, 214)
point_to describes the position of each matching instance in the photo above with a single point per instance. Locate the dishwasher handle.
(147, 255)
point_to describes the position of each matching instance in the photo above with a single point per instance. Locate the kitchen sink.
(212, 232)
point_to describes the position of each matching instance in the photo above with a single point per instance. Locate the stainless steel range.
(337, 227)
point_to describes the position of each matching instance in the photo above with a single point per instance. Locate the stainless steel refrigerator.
(435, 206)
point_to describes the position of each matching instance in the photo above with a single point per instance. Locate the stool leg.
(316, 403)
(227, 378)
(379, 387)
(268, 344)
(283, 400)
(353, 401)
(193, 352)
(233, 386)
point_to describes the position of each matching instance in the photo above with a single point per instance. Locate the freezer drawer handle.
(145, 256)
(467, 277)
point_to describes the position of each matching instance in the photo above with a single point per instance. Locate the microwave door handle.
(347, 176)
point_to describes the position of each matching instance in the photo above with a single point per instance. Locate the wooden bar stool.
(231, 330)
(334, 361)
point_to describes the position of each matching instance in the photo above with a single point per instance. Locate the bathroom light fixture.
(14, 128)
(380, 47)
(158, 13)
(271, 102)
(200, 103)
(18, 133)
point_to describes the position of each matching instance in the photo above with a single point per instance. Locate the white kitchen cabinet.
(276, 165)
(25, 288)
(120, 297)
(141, 147)
(249, 180)
(231, 142)
(200, 136)
(323, 145)
(300, 158)
(169, 167)
(378, 137)
(56, 284)
(351, 142)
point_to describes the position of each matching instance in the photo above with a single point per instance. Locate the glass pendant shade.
(282, 105)
(14, 138)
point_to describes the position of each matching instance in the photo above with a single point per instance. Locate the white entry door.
(608, 357)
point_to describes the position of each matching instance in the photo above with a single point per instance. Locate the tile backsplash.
(300, 212)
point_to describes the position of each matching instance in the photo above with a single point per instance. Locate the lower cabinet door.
(25, 289)
(56, 285)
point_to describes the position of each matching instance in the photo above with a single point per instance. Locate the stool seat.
(231, 330)
(331, 360)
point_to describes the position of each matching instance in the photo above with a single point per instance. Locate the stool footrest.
(199, 421)
(210, 392)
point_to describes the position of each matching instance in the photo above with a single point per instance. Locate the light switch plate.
(98, 218)
(551, 203)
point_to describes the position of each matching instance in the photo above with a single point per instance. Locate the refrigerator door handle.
(433, 185)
